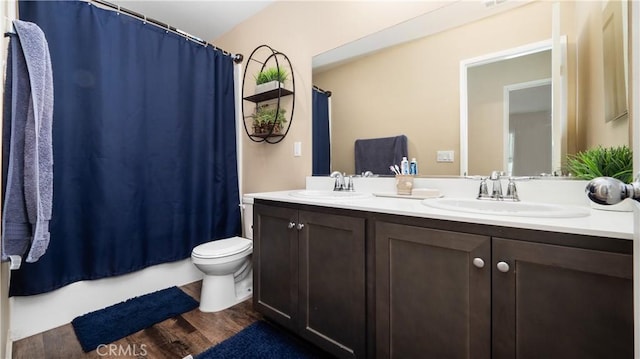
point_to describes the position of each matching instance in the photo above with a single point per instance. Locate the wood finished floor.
(190, 333)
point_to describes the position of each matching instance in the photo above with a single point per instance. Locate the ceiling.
(206, 20)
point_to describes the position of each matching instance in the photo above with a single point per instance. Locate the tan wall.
(301, 30)
(420, 96)
(593, 130)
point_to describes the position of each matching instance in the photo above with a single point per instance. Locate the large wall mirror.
(381, 88)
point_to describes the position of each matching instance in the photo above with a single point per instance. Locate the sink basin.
(507, 208)
(329, 195)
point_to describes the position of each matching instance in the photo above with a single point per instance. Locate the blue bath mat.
(107, 325)
(261, 340)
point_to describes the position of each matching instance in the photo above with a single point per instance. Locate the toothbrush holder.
(404, 184)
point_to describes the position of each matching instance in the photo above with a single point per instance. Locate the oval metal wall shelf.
(263, 57)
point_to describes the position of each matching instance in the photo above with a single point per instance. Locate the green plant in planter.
(616, 162)
(265, 119)
(271, 74)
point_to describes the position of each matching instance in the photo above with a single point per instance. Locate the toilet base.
(221, 292)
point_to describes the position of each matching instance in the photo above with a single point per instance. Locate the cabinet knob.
(291, 225)
(300, 226)
(478, 262)
(503, 267)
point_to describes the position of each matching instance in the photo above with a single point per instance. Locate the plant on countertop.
(616, 162)
(265, 119)
(271, 74)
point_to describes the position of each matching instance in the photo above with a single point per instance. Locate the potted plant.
(265, 121)
(270, 78)
(616, 162)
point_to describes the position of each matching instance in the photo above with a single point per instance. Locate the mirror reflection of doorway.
(528, 128)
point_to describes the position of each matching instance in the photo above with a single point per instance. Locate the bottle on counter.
(404, 166)
(413, 167)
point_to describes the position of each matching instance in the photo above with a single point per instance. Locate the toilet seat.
(221, 248)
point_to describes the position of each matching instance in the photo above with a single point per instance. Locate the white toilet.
(228, 275)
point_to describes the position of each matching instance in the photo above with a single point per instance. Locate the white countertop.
(598, 223)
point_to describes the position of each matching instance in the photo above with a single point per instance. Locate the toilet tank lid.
(222, 247)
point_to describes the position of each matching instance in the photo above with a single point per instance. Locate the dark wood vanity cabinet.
(432, 293)
(445, 294)
(554, 301)
(420, 288)
(309, 275)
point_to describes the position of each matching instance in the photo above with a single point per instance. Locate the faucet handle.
(483, 191)
(349, 186)
(512, 191)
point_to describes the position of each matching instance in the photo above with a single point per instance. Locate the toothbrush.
(394, 169)
(397, 169)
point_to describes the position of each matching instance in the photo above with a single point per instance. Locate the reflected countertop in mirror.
(413, 88)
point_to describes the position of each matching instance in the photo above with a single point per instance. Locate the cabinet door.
(332, 293)
(432, 298)
(561, 302)
(275, 263)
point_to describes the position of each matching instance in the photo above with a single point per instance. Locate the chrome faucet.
(512, 191)
(340, 183)
(607, 190)
(483, 192)
(496, 188)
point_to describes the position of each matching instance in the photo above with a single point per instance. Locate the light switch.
(297, 149)
(444, 156)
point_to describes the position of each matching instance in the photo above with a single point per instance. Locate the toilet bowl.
(226, 264)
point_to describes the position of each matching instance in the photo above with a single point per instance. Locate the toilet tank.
(247, 217)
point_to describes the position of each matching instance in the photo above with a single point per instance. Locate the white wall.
(634, 114)
(5, 342)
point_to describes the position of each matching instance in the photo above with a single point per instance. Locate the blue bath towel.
(377, 154)
(29, 173)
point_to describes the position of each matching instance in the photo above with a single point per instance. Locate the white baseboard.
(38, 313)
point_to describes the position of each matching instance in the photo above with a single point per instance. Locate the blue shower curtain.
(321, 143)
(144, 146)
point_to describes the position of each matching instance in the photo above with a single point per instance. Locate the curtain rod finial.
(237, 58)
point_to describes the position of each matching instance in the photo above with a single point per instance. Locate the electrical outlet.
(444, 156)
(297, 149)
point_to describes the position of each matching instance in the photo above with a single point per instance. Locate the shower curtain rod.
(237, 58)
(328, 93)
